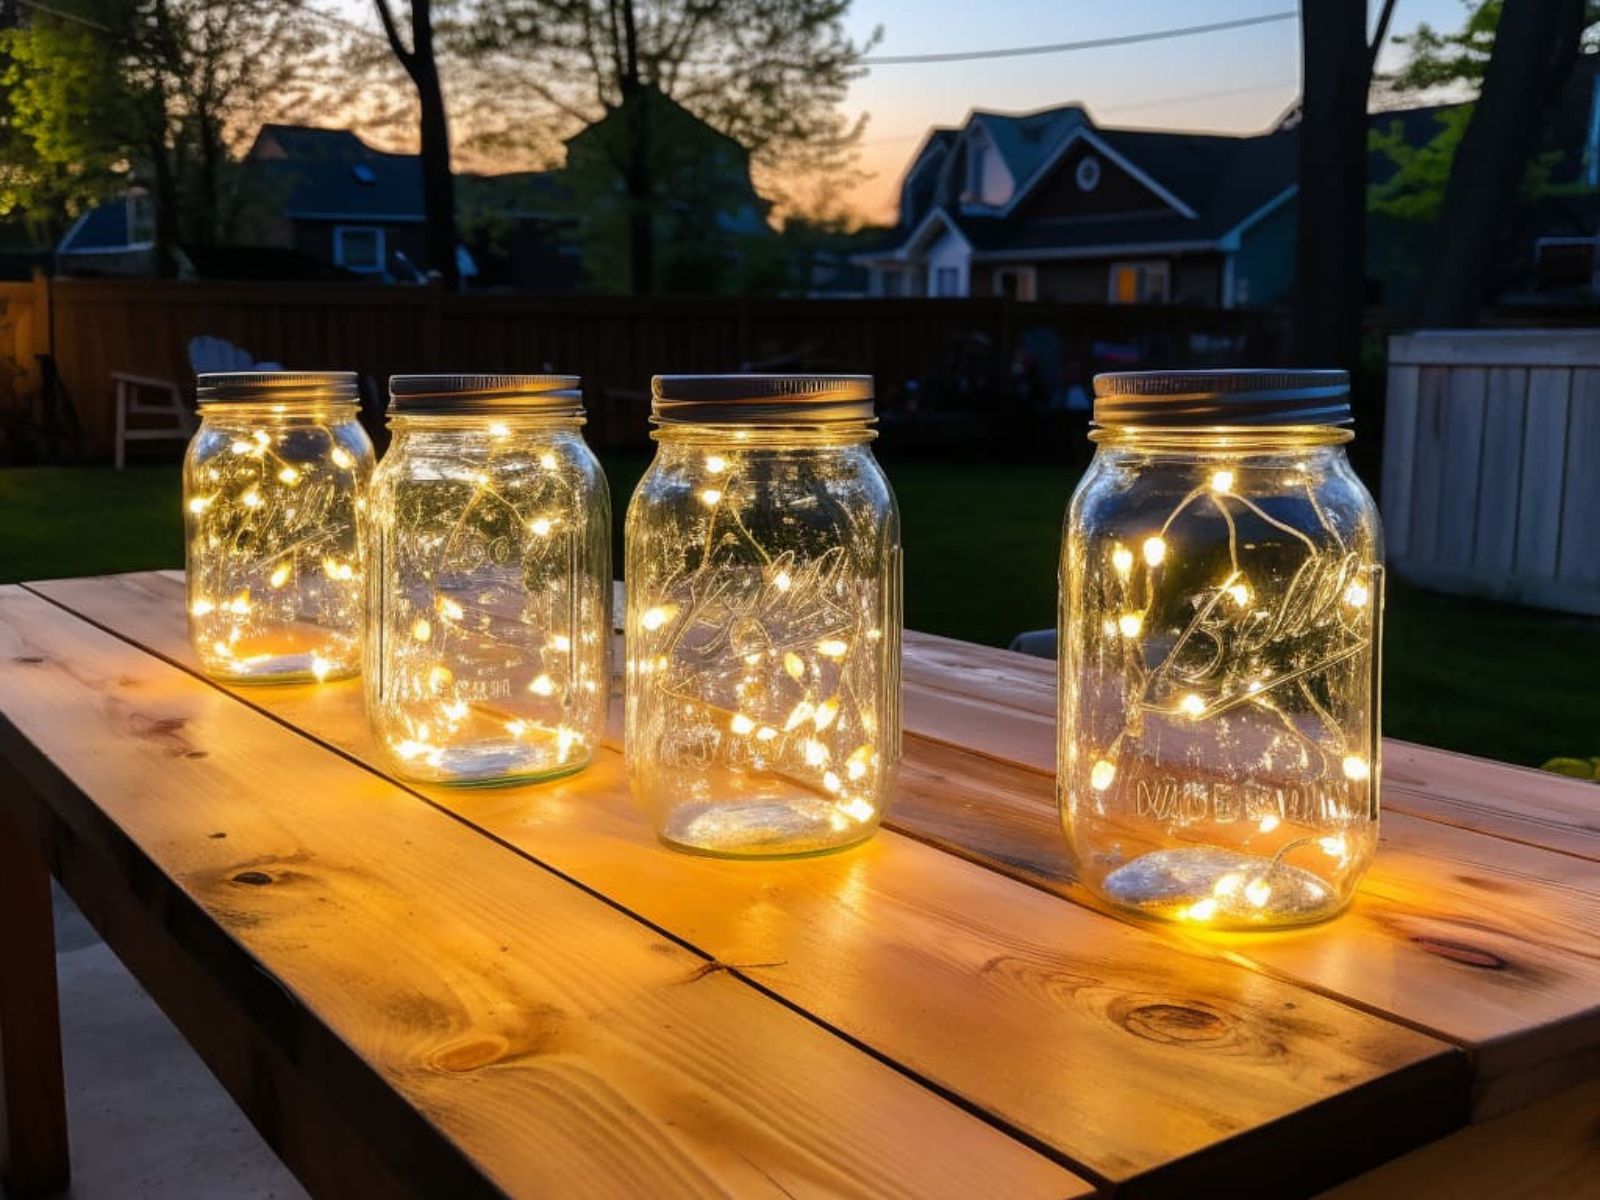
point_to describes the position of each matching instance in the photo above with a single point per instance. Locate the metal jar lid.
(277, 387)
(1213, 398)
(485, 395)
(760, 399)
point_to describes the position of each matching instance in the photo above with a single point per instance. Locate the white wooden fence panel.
(1400, 420)
(1491, 480)
(1579, 560)
(1543, 471)
(1461, 424)
(1495, 541)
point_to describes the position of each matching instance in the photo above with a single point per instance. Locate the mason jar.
(1221, 606)
(763, 622)
(489, 617)
(274, 492)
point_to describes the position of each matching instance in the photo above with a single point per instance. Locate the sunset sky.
(1236, 81)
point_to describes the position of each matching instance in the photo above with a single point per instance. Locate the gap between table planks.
(1477, 921)
(557, 1041)
(1473, 938)
(1141, 1061)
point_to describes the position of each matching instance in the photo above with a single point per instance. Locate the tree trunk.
(438, 184)
(1535, 46)
(1331, 249)
(637, 176)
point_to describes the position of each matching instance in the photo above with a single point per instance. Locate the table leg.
(33, 1110)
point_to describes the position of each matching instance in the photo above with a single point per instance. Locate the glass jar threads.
(489, 623)
(763, 622)
(1221, 603)
(274, 487)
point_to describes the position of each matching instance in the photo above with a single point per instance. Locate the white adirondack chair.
(159, 403)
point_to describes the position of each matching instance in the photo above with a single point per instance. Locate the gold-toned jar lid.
(760, 399)
(277, 387)
(1221, 398)
(486, 395)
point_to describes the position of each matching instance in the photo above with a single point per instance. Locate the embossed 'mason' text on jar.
(763, 623)
(274, 494)
(1221, 602)
(489, 623)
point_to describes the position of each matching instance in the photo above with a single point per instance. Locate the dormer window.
(977, 165)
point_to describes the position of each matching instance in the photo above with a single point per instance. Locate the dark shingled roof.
(104, 227)
(1224, 179)
(333, 173)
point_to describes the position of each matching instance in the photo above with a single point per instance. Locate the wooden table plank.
(556, 1040)
(1145, 1063)
(1004, 704)
(1492, 944)
(1551, 1151)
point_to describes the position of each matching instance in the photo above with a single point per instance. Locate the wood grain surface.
(1150, 1064)
(450, 996)
(1550, 1150)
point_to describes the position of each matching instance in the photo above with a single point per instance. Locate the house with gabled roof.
(1049, 205)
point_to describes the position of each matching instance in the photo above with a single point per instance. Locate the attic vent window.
(363, 173)
(1088, 173)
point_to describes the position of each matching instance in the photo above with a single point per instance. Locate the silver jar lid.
(1243, 397)
(277, 387)
(760, 399)
(485, 395)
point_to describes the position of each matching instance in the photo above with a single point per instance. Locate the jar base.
(487, 766)
(761, 829)
(288, 668)
(1222, 889)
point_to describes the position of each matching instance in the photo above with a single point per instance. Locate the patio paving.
(146, 1118)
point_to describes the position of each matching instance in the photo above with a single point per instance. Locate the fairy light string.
(766, 652)
(276, 584)
(472, 677)
(1250, 643)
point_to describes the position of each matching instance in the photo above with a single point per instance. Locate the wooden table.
(415, 990)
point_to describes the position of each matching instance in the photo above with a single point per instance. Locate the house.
(1050, 206)
(709, 225)
(114, 238)
(328, 195)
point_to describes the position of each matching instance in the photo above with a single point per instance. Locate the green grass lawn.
(1509, 683)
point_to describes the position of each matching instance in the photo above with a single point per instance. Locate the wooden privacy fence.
(1491, 476)
(616, 344)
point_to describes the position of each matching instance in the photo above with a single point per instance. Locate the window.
(359, 248)
(1140, 283)
(946, 281)
(977, 163)
(141, 218)
(1015, 283)
(1088, 173)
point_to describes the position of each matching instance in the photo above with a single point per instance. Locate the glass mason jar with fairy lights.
(1221, 606)
(763, 622)
(489, 617)
(274, 488)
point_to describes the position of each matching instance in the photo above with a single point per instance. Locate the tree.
(771, 74)
(1534, 49)
(163, 92)
(1330, 252)
(438, 183)
(57, 76)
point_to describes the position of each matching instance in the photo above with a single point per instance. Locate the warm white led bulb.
(1129, 624)
(1222, 481)
(1155, 551)
(1101, 775)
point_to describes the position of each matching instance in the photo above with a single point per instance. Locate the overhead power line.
(1129, 39)
(1187, 97)
(63, 15)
